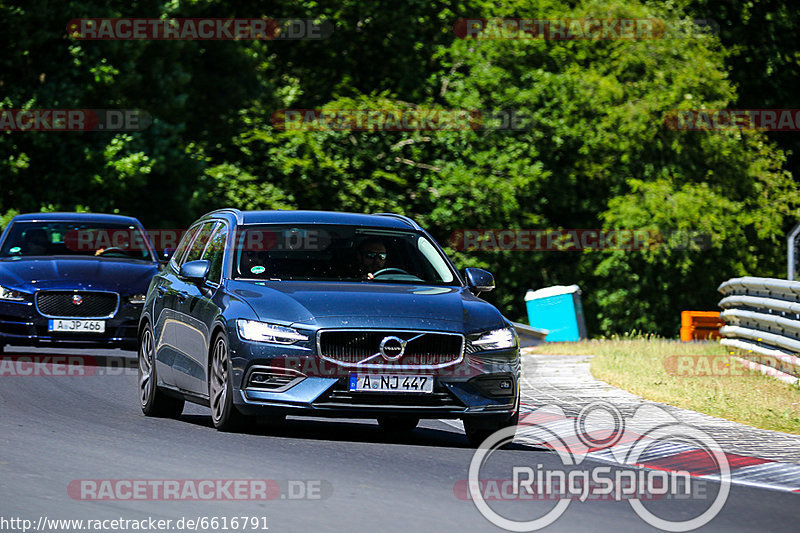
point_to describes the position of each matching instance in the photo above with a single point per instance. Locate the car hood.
(358, 305)
(36, 273)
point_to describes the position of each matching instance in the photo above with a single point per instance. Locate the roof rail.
(226, 210)
(404, 218)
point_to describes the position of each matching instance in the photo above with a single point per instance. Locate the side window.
(199, 244)
(215, 251)
(181, 249)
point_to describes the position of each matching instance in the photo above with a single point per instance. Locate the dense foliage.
(596, 152)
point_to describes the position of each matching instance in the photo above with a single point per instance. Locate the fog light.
(268, 380)
(495, 386)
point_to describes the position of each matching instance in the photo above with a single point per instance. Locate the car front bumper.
(317, 388)
(22, 325)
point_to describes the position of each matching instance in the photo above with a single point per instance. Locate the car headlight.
(137, 299)
(497, 339)
(253, 330)
(9, 295)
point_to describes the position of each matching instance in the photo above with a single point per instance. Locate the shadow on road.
(349, 430)
(88, 362)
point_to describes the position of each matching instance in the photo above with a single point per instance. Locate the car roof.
(75, 217)
(382, 220)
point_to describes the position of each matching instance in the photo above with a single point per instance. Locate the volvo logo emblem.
(392, 348)
(77, 299)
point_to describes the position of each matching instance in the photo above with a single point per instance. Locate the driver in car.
(36, 242)
(371, 258)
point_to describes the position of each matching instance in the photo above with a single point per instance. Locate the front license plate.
(77, 326)
(390, 383)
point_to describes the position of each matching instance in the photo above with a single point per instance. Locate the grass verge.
(701, 376)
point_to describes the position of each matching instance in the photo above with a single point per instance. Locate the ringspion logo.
(599, 426)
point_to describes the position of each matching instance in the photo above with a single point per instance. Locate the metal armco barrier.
(529, 336)
(762, 322)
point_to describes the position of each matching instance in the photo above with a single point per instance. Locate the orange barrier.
(700, 325)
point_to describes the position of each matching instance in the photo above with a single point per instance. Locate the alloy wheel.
(146, 367)
(219, 379)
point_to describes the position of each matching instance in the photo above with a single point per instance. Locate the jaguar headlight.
(252, 330)
(10, 296)
(497, 339)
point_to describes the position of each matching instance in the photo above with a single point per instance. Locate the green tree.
(763, 57)
(596, 151)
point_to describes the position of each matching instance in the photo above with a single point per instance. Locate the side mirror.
(195, 271)
(479, 280)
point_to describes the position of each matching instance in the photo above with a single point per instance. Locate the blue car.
(316, 313)
(73, 279)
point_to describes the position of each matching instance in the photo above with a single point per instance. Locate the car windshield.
(339, 253)
(50, 238)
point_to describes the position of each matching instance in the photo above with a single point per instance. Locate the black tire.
(398, 425)
(224, 415)
(152, 400)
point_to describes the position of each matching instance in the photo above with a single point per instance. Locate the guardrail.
(762, 322)
(529, 336)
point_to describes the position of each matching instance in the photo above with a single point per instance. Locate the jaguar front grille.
(77, 304)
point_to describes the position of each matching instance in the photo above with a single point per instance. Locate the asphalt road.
(57, 430)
